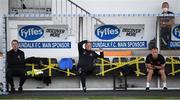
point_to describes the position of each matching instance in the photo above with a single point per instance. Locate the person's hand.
(158, 67)
(150, 67)
(164, 22)
(100, 50)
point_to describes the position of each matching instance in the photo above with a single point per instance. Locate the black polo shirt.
(157, 62)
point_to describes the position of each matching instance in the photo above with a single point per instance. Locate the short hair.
(165, 3)
(154, 48)
(88, 42)
(15, 41)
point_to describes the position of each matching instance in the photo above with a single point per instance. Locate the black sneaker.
(20, 89)
(84, 89)
(165, 88)
(147, 89)
(12, 90)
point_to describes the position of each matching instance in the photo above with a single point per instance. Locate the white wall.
(53, 53)
(106, 6)
(126, 6)
(3, 11)
(96, 6)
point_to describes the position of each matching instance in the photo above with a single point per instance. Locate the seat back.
(66, 63)
(99, 64)
(168, 66)
(138, 67)
(122, 69)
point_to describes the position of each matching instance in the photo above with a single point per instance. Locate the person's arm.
(10, 59)
(160, 67)
(80, 45)
(22, 58)
(148, 62)
(149, 66)
(162, 61)
(101, 54)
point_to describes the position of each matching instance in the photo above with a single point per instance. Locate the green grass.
(89, 97)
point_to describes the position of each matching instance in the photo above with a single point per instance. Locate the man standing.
(166, 23)
(15, 66)
(155, 63)
(86, 64)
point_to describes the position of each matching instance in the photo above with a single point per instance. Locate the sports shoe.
(84, 89)
(20, 89)
(12, 90)
(147, 89)
(165, 88)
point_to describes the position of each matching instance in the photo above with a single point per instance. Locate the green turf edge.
(89, 97)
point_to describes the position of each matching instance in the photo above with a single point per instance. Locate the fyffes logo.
(107, 32)
(31, 32)
(176, 31)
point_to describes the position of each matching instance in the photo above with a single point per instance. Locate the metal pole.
(61, 11)
(66, 14)
(158, 34)
(80, 28)
(77, 31)
(4, 46)
(71, 19)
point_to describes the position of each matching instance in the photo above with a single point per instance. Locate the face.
(88, 46)
(165, 7)
(14, 45)
(154, 53)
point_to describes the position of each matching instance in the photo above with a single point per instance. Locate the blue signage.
(40, 45)
(31, 32)
(107, 32)
(120, 44)
(174, 44)
(176, 31)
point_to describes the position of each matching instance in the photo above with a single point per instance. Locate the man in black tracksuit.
(15, 66)
(86, 64)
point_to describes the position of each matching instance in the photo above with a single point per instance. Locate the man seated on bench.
(86, 64)
(155, 63)
(15, 66)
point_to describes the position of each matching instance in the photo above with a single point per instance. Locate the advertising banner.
(175, 37)
(129, 36)
(43, 36)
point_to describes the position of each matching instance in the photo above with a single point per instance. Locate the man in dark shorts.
(155, 62)
(166, 22)
(87, 57)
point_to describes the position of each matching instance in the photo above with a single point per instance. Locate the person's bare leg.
(163, 76)
(149, 75)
